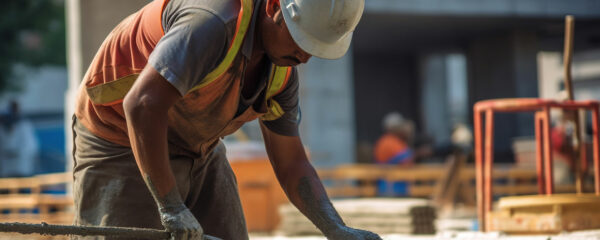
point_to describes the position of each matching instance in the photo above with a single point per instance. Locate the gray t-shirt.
(197, 36)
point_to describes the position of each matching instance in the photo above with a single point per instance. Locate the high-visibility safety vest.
(114, 91)
(100, 101)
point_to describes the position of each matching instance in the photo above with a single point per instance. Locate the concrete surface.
(581, 235)
(587, 235)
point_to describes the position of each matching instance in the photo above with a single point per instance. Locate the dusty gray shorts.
(109, 190)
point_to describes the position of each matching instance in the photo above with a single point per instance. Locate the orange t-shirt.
(391, 149)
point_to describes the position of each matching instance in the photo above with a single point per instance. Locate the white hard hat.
(392, 120)
(322, 28)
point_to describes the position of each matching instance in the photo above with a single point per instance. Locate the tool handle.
(48, 229)
(117, 232)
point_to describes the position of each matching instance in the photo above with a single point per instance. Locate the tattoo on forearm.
(317, 206)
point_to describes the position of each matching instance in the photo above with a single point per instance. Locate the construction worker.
(394, 146)
(171, 80)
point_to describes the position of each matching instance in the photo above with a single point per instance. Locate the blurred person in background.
(19, 147)
(395, 146)
(462, 138)
(562, 135)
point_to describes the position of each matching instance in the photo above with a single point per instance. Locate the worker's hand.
(347, 233)
(181, 223)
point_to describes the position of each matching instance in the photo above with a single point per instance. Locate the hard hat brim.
(315, 47)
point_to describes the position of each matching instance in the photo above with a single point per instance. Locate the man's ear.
(272, 7)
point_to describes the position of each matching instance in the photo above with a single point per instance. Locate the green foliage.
(32, 33)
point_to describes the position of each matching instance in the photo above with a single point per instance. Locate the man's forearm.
(146, 106)
(306, 191)
(300, 181)
(148, 140)
(303, 187)
(149, 145)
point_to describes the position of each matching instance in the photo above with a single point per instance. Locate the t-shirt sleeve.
(287, 124)
(193, 45)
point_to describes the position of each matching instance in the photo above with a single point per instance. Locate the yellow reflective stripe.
(277, 80)
(114, 91)
(270, 80)
(233, 50)
(274, 111)
(111, 91)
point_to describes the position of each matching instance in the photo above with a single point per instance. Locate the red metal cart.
(484, 153)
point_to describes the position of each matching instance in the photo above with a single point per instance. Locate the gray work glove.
(347, 233)
(181, 223)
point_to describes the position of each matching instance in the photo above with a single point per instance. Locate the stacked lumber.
(554, 213)
(460, 218)
(379, 215)
(25, 200)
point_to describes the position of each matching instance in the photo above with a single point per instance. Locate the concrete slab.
(581, 235)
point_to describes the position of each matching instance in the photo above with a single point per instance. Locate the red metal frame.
(484, 148)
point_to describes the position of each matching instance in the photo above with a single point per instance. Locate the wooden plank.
(421, 191)
(34, 184)
(18, 183)
(542, 213)
(54, 178)
(352, 191)
(17, 201)
(360, 179)
(28, 201)
(360, 172)
(414, 174)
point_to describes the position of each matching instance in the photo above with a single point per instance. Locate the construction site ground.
(581, 235)
(594, 234)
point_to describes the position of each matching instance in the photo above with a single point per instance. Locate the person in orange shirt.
(394, 147)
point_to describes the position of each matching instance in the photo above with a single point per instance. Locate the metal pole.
(539, 151)
(568, 54)
(487, 165)
(119, 232)
(115, 232)
(479, 168)
(567, 62)
(548, 152)
(596, 148)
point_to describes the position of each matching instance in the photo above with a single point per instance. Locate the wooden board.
(546, 214)
(260, 193)
(360, 180)
(35, 206)
(378, 214)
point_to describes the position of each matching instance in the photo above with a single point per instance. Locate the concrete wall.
(523, 8)
(444, 100)
(434, 97)
(327, 104)
(504, 66)
(383, 83)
